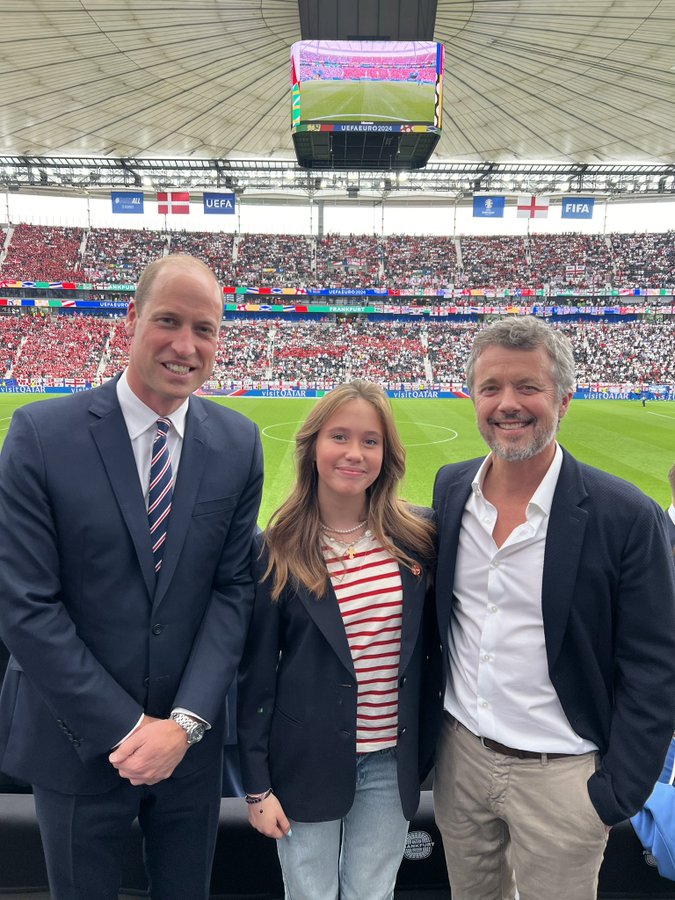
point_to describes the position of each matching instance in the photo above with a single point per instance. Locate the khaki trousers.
(507, 821)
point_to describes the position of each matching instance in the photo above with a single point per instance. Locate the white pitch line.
(266, 431)
(661, 415)
(453, 434)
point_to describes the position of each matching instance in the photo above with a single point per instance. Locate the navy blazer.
(298, 698)
(608, 603)
(96, 639)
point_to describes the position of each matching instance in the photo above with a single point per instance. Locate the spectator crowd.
(407, 264)
(301, 352)
(419, 67)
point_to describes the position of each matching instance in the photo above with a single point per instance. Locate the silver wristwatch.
(193, 729)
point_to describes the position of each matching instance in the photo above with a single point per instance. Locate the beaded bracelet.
(250, 800)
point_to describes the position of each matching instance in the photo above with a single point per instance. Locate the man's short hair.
(150, 273)
(527, 333)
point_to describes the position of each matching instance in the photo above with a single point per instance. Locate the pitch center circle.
(451, 436)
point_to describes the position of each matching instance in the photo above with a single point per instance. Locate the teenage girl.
(336, 718)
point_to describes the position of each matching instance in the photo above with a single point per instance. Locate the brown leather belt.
(496, 747)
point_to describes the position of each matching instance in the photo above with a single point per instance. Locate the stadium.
(133, 130)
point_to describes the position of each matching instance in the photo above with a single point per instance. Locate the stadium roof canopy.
(574, 84)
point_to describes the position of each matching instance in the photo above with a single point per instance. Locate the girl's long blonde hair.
(293, 536)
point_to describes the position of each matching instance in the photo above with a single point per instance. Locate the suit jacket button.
(402, 681)
(76, 742)
(146, 682)
(157, 629)
(401, 732)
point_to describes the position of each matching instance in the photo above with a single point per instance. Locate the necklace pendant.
(350, 551)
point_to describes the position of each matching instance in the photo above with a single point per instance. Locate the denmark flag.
(532, 208)
(176, 202)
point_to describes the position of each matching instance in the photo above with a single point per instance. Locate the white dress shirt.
(499, 686)
(140, 421)
(671, 513)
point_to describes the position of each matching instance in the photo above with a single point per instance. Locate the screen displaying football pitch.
(367, 101)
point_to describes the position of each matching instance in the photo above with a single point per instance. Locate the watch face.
(195, 733)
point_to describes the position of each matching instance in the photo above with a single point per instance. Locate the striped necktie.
(161, 487)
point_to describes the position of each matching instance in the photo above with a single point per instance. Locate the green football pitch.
(367, 101)
(620, 436)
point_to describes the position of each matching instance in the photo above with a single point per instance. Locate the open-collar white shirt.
(499, 686)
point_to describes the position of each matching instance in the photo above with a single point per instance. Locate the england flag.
(532, 208)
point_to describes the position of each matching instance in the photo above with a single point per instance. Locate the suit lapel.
(414, 590)
(325, 613)
(192, 461)
(564, 542)
(449, 524)
(111, 437)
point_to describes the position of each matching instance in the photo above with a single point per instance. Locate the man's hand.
(152, 752)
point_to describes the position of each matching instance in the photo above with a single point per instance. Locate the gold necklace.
(350, 546)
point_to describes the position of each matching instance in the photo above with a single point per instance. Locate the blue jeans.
(358, 855)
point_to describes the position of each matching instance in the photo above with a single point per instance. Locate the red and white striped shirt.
(370, 596)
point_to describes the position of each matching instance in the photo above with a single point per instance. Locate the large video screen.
(367, 85)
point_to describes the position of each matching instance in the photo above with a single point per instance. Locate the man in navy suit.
(113, 705)
(556, 609)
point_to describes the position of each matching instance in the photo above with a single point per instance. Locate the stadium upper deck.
(402, 263)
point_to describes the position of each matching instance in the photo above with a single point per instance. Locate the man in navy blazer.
(556, 609)
(117, 670)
